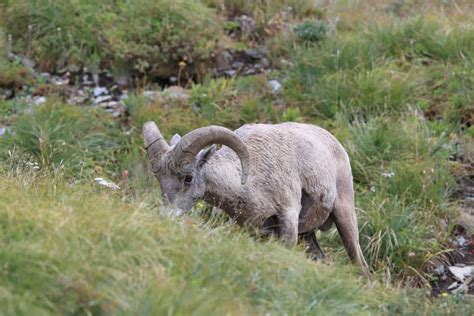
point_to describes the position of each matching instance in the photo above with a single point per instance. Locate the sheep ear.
(204, 155)
(175, 139)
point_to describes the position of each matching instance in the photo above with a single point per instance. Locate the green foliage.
(291, 115)
(69, 138)
(12, 74)
(378, 71)
(311, 31)
(147, 34)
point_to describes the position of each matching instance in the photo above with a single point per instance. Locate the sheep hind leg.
(345, 219)
(288, 230)
(312, 246)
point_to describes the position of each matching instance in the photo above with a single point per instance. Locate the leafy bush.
(312, 31)
(164, 33)
(144, 35)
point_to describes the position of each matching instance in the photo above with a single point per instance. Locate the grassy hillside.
(74, 249)
(392, 80)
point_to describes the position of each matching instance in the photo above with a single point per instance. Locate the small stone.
(439, 270)
(460, 273)
(249, 72)
(230, 73)
(98, 91)
(173, 79)
(106, 183)
(102, 99)
(176, 92)
(275, 85)
(110, 105)
(237, 64)
(86, 80)
(59, 81)
(255, 53)
(461, 241)
(8, 93)
(453, 286)
(39, 100)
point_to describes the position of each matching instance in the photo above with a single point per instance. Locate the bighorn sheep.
(293, 177)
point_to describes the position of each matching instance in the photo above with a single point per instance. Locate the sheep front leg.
(288, 233)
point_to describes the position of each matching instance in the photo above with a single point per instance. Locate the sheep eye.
(188, 180)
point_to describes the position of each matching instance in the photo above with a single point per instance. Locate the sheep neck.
(223, 187)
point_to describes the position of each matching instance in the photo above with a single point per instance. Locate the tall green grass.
(377, 70)
(396, 92)
(76, 140)
(77, 249)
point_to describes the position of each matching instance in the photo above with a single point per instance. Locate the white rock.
(98, 91)
(275, 85)
(102, 98)
(177, 93)
(107, 184)
(460, 273)
(151, 94)
(59, 81)
(439, 269)
(453, 286)
(39, 100)
(461, 241)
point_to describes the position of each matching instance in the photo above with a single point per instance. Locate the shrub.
(312, 31)
(142, 36)
(164, 33)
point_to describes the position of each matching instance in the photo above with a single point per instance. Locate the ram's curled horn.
(190, 145)
(155, 144)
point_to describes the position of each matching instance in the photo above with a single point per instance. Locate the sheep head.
(178, 166)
